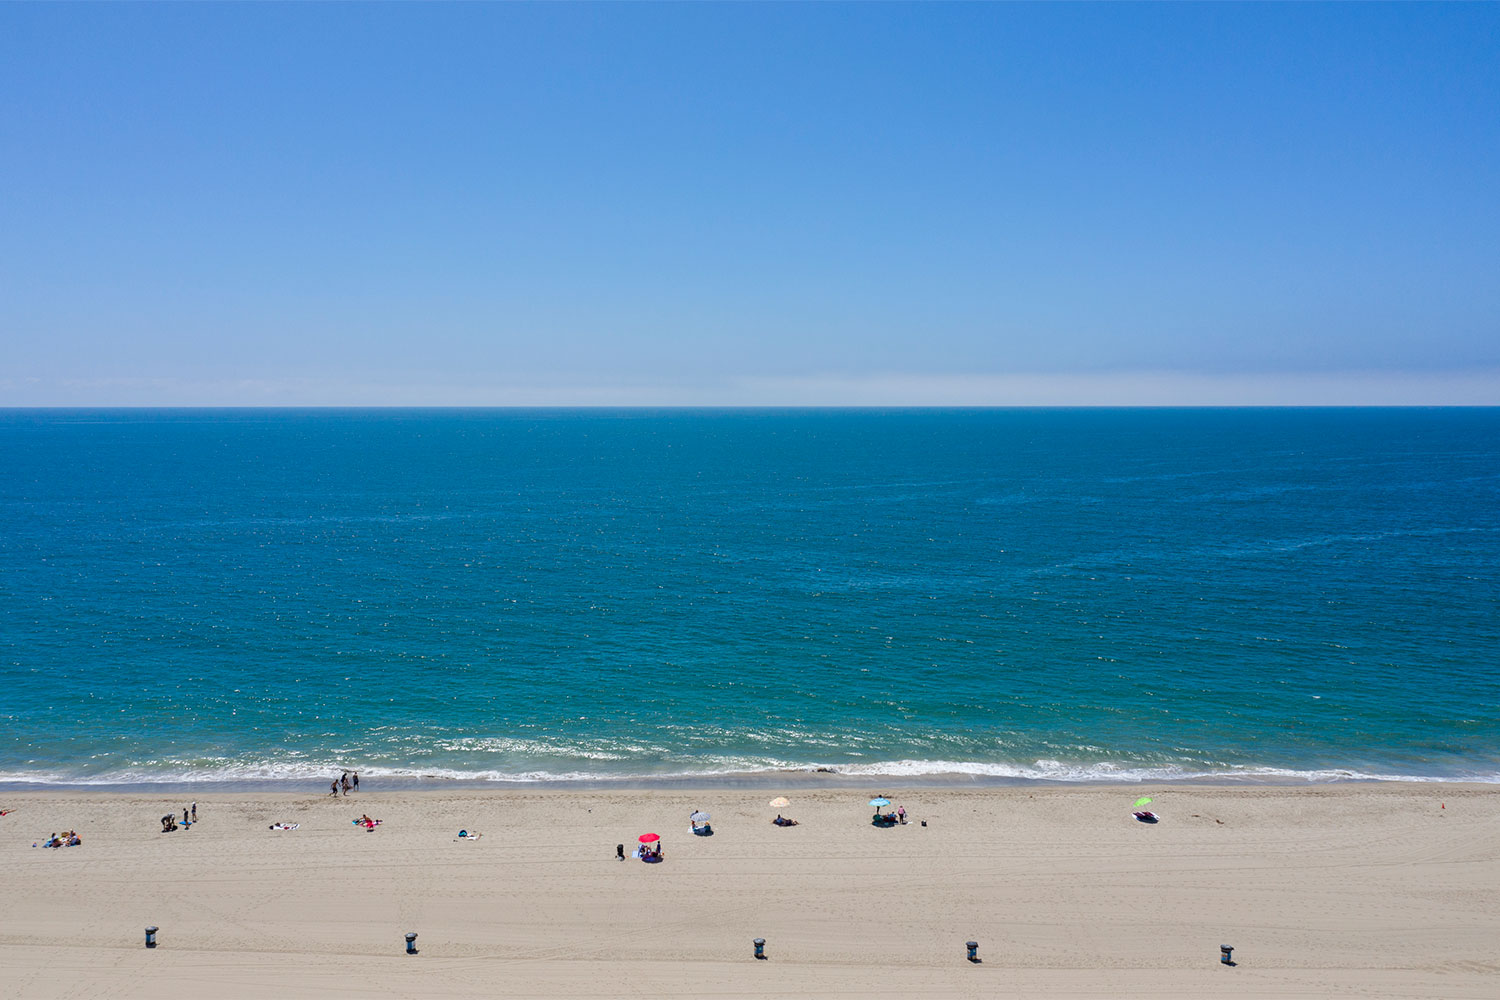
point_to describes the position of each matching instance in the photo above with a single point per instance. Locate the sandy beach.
(1389, 890)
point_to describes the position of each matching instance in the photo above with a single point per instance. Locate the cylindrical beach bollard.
(411, 942)
(150, 937)
(760, 947)
(973, 947)
(1226, 953)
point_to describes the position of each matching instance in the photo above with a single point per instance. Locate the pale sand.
(1327, 891)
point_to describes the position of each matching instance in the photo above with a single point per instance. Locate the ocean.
(659, 595)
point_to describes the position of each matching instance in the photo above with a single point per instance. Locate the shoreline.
(820, 778)
(759, 781)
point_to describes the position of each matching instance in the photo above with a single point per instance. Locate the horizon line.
(54, 407)
(883, 390)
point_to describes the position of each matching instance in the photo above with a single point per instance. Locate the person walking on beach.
(345, 782)
(901, 814)
(333, 788)
(356, 781)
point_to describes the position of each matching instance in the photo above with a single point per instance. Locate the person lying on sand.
(783, 821)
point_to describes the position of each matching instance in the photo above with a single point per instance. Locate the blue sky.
(419, 204)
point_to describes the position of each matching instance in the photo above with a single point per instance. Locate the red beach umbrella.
(649, 838)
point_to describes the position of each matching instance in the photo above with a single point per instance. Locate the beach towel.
(368, 826)
(285, 826)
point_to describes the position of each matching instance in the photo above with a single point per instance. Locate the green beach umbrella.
(1142, 801)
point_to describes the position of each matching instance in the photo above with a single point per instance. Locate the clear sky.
(419, 204)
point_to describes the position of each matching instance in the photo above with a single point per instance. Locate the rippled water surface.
(1069, 594)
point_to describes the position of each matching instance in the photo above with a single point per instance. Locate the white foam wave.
(1053, 770)
(721, 768)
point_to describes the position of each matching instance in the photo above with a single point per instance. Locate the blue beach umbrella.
(877, 803)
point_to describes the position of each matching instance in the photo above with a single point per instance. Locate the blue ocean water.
(1067, 594)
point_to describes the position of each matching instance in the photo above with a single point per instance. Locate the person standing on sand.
(356, 781)
(345, 782)
(195, 812)
(901, 814)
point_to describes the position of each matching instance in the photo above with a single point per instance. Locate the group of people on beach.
(69, 839)
(349, 780)
(189, 817)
